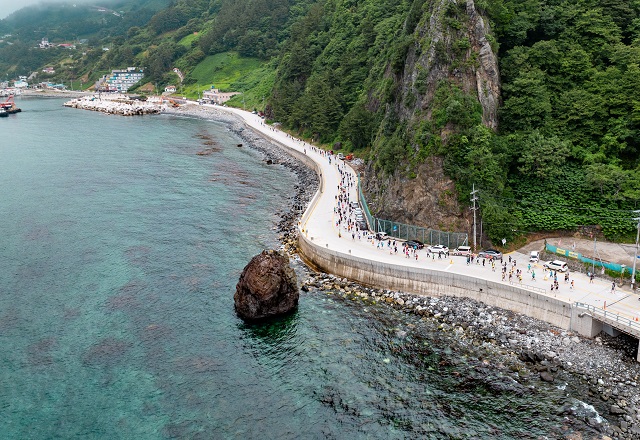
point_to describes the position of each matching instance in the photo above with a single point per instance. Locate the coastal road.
(321, 226)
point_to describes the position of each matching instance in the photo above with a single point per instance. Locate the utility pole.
(635, 257)
(474, 199)
(595, 252)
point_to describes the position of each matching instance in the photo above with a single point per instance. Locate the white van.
(534, 257)
(462, 250)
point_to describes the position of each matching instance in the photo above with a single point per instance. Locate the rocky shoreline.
(522, 348)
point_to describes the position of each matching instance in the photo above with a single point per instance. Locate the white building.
(123, 80)
(214, 96)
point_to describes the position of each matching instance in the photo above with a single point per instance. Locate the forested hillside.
(569, 126)
(565, 153)
(535, 102)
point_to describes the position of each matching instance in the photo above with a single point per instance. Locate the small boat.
(3, 112)
(9, 106)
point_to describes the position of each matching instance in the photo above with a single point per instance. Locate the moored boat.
(3, 112)
(9, 106)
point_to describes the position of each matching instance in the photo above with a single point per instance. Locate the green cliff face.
(448, 84)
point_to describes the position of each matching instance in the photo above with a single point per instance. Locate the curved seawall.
(420, 281)
(436, 283)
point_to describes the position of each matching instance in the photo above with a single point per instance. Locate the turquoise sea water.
(119, 254)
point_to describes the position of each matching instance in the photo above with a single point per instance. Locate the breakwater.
(115, 105)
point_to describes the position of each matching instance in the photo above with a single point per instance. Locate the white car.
(340, 156)
(534, 257)
(557, 265)
(438, 249)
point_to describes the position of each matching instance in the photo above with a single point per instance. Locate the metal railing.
(409, 232)
(535, 289)
(621, 323)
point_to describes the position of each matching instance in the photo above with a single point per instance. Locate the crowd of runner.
(344, 212)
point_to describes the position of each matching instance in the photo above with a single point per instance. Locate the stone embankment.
(522, 348)
(120, 105)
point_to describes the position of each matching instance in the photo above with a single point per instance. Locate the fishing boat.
(3, 112)
(9, 106)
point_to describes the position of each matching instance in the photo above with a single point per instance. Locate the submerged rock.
(268, 286)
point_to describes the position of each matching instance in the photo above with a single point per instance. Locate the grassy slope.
(230, 72)
(186, 41)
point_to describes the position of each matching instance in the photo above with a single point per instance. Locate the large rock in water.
(267, 287)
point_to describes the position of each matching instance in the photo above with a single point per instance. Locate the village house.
(214, 96)
(21, 83)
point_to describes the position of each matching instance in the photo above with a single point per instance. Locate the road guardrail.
(621, 323)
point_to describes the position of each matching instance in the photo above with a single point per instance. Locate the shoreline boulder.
(268, 287)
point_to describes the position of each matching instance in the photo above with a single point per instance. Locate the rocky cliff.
(451, 45)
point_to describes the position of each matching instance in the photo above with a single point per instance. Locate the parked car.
(491, 254)
(415, 244)
(381, 235)
(438, 249)
(534, 257)
(562, 266)
(462, 250)
(340, 156)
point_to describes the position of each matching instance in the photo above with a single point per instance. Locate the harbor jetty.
(115, 105)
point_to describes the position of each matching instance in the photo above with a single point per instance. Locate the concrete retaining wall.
(436, 283)
(583, 323)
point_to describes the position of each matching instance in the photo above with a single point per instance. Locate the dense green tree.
(527, 104)
(542, 156)
(358, 126)
(160, 60)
